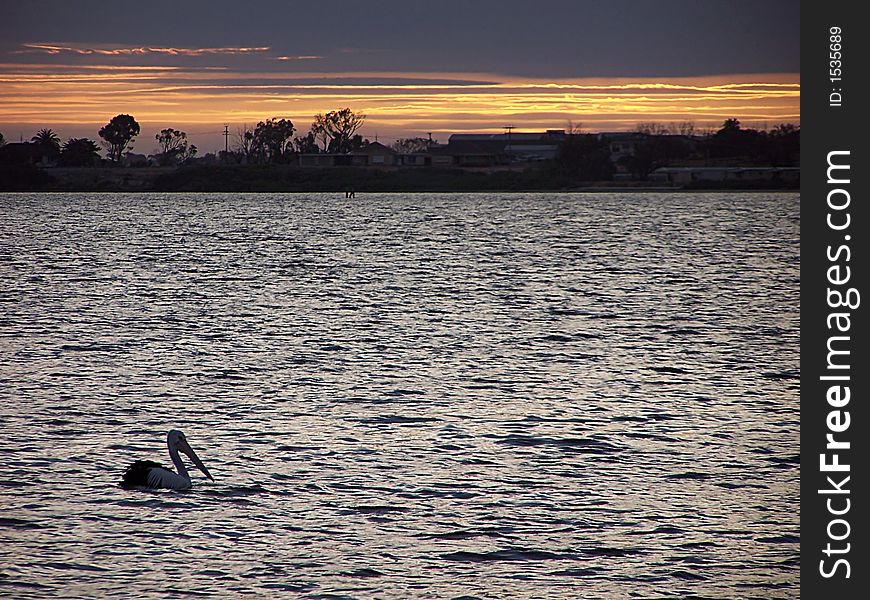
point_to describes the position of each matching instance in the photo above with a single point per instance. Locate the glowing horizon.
(77, 99)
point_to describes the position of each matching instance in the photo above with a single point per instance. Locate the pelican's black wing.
(136, 474)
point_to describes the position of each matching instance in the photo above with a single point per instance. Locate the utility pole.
(226, 141)
(508, 129)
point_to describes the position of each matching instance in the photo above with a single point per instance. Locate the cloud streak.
(300, 57)
(102, 50)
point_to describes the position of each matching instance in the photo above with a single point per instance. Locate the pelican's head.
(176, 440)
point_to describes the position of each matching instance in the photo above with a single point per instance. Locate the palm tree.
(48, 140)
(79, 152)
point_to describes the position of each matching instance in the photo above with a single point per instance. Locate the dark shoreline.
(335, 180)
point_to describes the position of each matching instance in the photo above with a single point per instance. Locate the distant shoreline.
(286, 179)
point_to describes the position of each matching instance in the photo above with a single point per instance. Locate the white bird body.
(164, 478)
(149, 474)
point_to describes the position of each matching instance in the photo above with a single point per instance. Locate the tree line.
(585, 156)
(273, 141)
(116, 138)
(270, 141)
(75, 152)
(589, 158)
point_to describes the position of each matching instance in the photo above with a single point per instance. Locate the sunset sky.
(411, 67)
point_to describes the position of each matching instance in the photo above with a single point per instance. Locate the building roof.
(374, 148)
(552, 136)
(472, 147)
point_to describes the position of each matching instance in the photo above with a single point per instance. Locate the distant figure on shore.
(349, 192)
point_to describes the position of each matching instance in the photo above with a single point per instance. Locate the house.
(489, 149)
(470, 153)
(373, 154)
(439, 158)
(470, 150)
(25, 153)
(317, 160)
(131, 159)
(415, 159)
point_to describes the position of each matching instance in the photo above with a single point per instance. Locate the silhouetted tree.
(358, 142)
(686, 128)
(318, 130)
(2, 139)
(173, 145)
(339, 146)
(778, 147)
(653, 152)
(652, 128)
(117, 135)
(411, 145)
(729, 127)
(585, 158)
(244, 143)
(273, 139)
(573, 128)
(732, 141)
(188, 153)
(306, 144)
(784, 129)
(641, 163)
(784, 145)
(79, 152)
(336, 128)
(47, 141)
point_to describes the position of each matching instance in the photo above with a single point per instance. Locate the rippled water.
(484, 395)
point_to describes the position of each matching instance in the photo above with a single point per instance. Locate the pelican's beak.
(185, 447)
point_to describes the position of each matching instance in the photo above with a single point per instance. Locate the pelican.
(147, 473)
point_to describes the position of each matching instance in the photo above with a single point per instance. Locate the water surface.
(484, 395)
